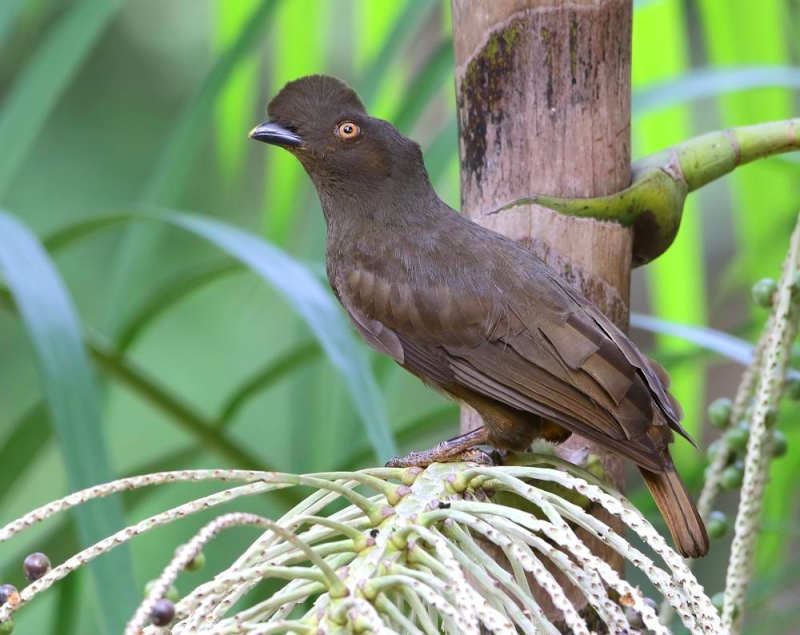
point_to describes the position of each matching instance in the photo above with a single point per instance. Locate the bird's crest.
(301, 99)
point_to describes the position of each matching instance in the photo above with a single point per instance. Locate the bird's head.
(321, 121)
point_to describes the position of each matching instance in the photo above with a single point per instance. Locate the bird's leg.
(460, 448)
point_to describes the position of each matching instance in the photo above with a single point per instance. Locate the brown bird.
(469, 311)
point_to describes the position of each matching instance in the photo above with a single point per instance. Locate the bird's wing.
(560, 358)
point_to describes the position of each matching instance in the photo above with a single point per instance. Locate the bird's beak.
(275, 134)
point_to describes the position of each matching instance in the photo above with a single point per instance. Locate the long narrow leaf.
(300, 286)
(168, 179)
(9, 13)
(234, 105)
(415, 15)
(704, 83)
(305, 294)
(45, 78)
(286, 194)
(73, 402)
(710, 339)
(22, 445)
(268, 375)
(435, 72)
(171, 295)
(169, 176)
(672, 298)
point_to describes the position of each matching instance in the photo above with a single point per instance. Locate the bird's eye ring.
(348, 130)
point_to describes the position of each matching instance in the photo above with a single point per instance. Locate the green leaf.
(65, 616)
(9, 13)
(207, 431)
(72, 399)
(671, 298)
(272, 372)
(46, 76)
(440, 422)
(710, 339)
(704, 83)
(287, 191)
(234, 104)
(415, 15)
(169, 296)
(300, 286)
(20, 447)
(168, 178)
(434, 73)
(306, 295)
(191, 130)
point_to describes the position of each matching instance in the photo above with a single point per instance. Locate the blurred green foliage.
(118, 107)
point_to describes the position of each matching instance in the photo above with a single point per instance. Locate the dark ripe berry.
(719, 412)
(197, 563)
(737, 437)
(36, 565)
(779, 444)
(792, 387)
(732, 476)
(163, 613)
(9, 593)
(7, 627)
(763, 290)
(717, 525)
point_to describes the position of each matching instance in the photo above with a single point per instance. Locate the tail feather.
(678, 508)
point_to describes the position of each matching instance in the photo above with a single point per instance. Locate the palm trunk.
(543, 90)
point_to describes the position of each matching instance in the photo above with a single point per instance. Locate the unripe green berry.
(737, 437)
(763, 290)
(718, 602)
(197, 563)
(7, 627)
(719, 412)
(717, 525)
(732, 477)
(772, 416)
(595, 467)
(792, 387)
(779, 444)
(171, 594)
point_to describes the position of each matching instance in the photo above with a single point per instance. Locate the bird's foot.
(450, 451)
(424, 458)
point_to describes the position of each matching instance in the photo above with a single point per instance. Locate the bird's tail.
(678, 508)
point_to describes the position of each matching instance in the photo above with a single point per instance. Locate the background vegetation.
(198, 354)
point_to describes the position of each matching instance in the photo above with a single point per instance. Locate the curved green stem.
(653, 204)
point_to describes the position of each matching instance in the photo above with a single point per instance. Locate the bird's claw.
(425, 457)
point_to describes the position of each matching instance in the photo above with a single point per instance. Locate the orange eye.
(348, 130)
